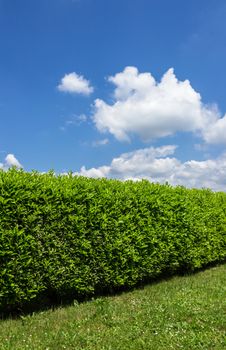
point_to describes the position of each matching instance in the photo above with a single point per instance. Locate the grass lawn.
(181, 313)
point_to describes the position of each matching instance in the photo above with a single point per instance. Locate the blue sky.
(124, 88)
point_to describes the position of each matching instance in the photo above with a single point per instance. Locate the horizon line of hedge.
(69, 236)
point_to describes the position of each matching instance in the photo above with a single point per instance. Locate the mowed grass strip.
(186, 312)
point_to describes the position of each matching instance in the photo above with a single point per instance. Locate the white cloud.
(156, 165)
(102, 171)
(215, 133)
(143, 161)
(153, 109)
(75, 84)
(10, 161)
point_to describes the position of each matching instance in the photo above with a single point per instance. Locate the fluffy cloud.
(10, 161)
(102, 171)
(153, 109)
(75, 84)
(158, 165)
(215, 133)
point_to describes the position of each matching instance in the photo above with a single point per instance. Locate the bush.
(74, 236)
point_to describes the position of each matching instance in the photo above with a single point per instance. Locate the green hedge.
(76, 236)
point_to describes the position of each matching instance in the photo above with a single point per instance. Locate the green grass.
(181, 313)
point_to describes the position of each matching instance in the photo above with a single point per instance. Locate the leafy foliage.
(74, 236)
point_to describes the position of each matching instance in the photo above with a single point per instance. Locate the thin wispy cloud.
(74, 121)
(100, 143)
